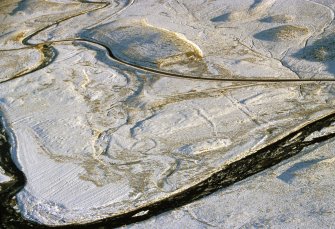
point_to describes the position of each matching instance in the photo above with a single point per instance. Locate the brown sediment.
(280, 18)
(186, 96)
(48, 54)
(218, 78)
(142, 44)
(290, 32)
(47, 51)
(321, 54)
(229, 174)
(283, 33)
(19, 37)
(264, 158)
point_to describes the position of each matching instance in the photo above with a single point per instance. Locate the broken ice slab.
(22, 19)
(3, 177)
(121, 144)
(17, 63)
(98, 138)
(139, 43)
(295, 193)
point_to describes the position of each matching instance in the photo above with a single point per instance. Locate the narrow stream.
(263, 159)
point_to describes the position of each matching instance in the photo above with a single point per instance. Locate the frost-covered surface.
(96, 137)
(3, 177)
(17, 62)
(298, 193)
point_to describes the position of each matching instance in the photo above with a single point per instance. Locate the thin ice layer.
(96, 138)
(19, 62)
(296, 193)
(122, 145)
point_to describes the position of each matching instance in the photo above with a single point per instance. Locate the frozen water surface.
(121, 110)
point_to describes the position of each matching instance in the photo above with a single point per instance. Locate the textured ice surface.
(16, 63)
(296, 193)
(97, 137)
(3, 177)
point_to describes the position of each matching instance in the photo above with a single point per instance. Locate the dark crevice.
(49, 52)
(25, 41)
(49, 55)
(9, 217)
(153, 70)
(211, 78)
(262, 159)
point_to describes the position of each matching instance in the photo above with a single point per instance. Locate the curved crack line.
(49, 53)
(156, 71)
(212, 78)
(264, 158)
(175, 75)
(9, 217)
(45, 63)
(25, 41)
(325, 27)
(129, 3)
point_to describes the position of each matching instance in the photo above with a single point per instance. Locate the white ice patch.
(3, 177)
(204, 146)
